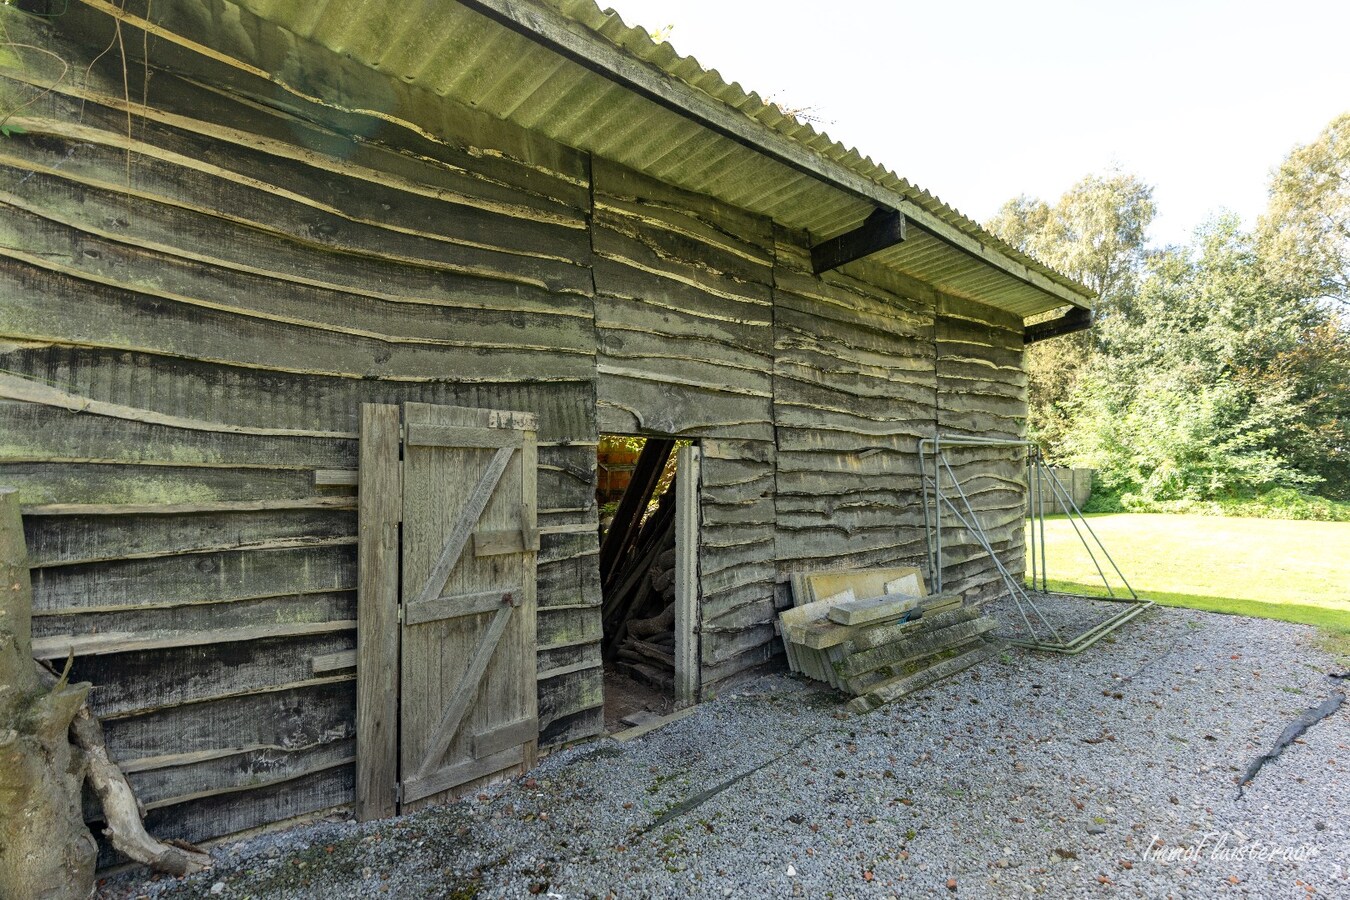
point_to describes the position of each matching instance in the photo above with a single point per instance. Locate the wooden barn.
(312, 316)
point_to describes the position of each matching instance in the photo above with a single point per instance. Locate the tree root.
(122, 814)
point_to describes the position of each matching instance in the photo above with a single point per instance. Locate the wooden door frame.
(379, 602)
(380, 513)
(688, 468)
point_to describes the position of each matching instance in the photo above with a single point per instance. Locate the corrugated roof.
(586, 79)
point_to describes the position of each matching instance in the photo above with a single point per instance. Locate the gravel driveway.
(1033, 774)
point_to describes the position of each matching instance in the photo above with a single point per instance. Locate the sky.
(980, 101)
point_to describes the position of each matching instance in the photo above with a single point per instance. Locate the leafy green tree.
(1214, 381)
(1305, 233)
(1096, 233)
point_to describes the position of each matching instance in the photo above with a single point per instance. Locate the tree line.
(1218, 370)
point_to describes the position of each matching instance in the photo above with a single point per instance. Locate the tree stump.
(46, 850)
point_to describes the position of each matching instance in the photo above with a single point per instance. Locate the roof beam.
(579, 44)
(1076, 319)
(883, 228)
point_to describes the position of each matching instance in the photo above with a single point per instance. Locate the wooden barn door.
(466, 701)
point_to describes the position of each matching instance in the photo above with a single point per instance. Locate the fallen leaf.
(951, 884)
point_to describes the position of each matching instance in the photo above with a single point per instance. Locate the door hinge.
(400, 614)
(398, 793)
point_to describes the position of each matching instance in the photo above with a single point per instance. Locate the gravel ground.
(1033, 774)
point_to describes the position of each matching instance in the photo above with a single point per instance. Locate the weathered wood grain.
(193, 578)
(138, 682)
(71, 540)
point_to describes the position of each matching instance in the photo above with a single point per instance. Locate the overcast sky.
(980, 101)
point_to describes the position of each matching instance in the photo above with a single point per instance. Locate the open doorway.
(643, 545)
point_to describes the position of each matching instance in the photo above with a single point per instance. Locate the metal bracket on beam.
(883, 228)
(1076, 319)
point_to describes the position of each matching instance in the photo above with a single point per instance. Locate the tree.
(1305, 233)
(1096, 233)
(1214, 381)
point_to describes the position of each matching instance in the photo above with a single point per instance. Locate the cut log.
(46, 851)
(661, 622)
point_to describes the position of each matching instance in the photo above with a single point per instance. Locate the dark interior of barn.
(636, 495)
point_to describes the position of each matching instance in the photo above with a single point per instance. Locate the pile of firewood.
(647, 649)
(639, 612)
(637, 567)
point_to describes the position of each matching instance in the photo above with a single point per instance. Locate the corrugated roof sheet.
(458, 52)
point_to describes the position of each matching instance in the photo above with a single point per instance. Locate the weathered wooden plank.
(437, 204)
(377, 608)
(565, 696)
(680, 286)
(560, 626)
(577, 726)
(196, 624)
(43, 305)
(250, 398)
(758, 611)
(719, 674)
(182, 180)
(61, 643)
(289, 719)
(559, 661)
(220, 775)
(131, 683)
(397, 320)
(634, 406)
(193, 578)
(69, 540)
(687, 550)
(865, 320)
(686, 359)
(718, 647)
(524, 165)
(619, 232)
(99, 212)
(570, 582)
(34, 432)
(42, 484)
(621, 188)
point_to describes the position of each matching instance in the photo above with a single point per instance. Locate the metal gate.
(446, 603)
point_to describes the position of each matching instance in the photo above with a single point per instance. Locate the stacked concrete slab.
(878, 635)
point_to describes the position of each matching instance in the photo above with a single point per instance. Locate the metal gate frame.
(936, 501)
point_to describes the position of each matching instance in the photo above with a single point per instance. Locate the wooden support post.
(883, 228)
(377, 627)
(1076, 319)
(687, 480)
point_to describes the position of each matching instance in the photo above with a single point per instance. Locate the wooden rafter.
(883, 228)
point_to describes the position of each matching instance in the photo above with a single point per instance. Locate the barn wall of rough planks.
(982, 391)
(189, 329)
(190, 320)
(684, 308)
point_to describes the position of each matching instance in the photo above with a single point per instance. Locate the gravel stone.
(1137, 742)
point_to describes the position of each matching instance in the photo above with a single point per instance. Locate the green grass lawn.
(1295, 571)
